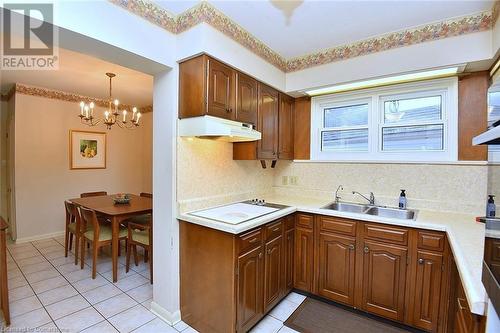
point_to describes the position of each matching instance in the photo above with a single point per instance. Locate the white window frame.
(493, 155)
(446, 88)
(322, 129)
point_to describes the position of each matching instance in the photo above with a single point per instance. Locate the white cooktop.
(234, 213)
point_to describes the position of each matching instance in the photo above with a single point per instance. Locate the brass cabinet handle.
(366, 249)
(276, 229)
(421, 261)
(253, 240)
(260, 255)
(351, 247)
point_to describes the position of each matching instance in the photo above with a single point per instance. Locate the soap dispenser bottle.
(402, 200)
(490, 207)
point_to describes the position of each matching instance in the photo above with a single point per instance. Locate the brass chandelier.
(112, 115)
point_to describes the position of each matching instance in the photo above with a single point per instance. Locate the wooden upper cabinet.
(428, 290)
(221, 90)
(268, 122)
(246, 99)
(250, 289)
(206, 87)
(384, 279)
(285, 125)
(336, 268)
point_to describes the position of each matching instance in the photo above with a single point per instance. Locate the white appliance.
(235, 213)
(215, 128)
(490, 137)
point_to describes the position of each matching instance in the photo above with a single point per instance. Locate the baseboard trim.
(39, 237)
(170, 318)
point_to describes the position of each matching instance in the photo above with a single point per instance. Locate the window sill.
(479, 163)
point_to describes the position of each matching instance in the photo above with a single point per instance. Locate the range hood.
(490, 137)
(214, 128)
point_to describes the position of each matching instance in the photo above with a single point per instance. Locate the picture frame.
(87, 150)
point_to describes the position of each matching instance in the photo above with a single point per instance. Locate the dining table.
(116, 213)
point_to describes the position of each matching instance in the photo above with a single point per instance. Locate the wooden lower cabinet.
(288, 261)
(384, 279)
(304, 259)
(250, 289)
(394, 272)
(428, 284)
(273, 274)
(336, 268)
(229, 282)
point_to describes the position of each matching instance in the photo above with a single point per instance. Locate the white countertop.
(465, 235)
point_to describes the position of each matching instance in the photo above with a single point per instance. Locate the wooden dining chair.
(99, 236)
(72, 228)
(146, 195)
(140, 235)
(93, 194)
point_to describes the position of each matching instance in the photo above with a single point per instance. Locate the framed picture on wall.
(87, 150)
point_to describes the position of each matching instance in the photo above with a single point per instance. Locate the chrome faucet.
(371, 200)
(337, 197)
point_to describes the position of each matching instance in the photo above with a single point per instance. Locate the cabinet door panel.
(427, 290)
(268, 122)
(304, 253)
(273, 282)
(285, 121)
(289, 256)
(384, 276)
(221, 90)
(336, 268)
(246, 100)
(250, 291)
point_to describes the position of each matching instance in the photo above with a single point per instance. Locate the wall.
(3, 159)
(400, 60)
(207, 175)
(494, 184)
(459, 188)
(43, 178)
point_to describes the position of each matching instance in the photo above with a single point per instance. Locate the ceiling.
(315, 25)
(85, 75)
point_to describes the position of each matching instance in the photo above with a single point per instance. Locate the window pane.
(350, 115)
(412, 110)
(426, 137)
(345, 140)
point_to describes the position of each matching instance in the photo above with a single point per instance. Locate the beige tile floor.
(49, 293)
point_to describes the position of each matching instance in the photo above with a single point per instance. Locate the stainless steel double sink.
(387, 212)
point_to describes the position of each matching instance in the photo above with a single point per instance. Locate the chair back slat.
(146, 195)
(93, 194)
(89, 217)
(71, 212)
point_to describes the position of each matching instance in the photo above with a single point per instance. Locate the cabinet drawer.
(389, 234)
(305, 221)
(430, 241)
(289, 222)
(337, 225)
(274, 229)
(249, 240)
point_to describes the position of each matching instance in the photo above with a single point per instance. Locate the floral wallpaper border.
(65, 96)
(204, 12)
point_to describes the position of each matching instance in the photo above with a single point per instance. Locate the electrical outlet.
(293, 180)
(284, 180)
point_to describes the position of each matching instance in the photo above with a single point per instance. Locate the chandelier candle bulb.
(86, 111)
(124, 116)
(81, 108)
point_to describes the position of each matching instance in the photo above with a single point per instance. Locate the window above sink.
(406, 122)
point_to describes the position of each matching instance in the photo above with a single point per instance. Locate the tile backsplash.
(457, 188)
(208, 176)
